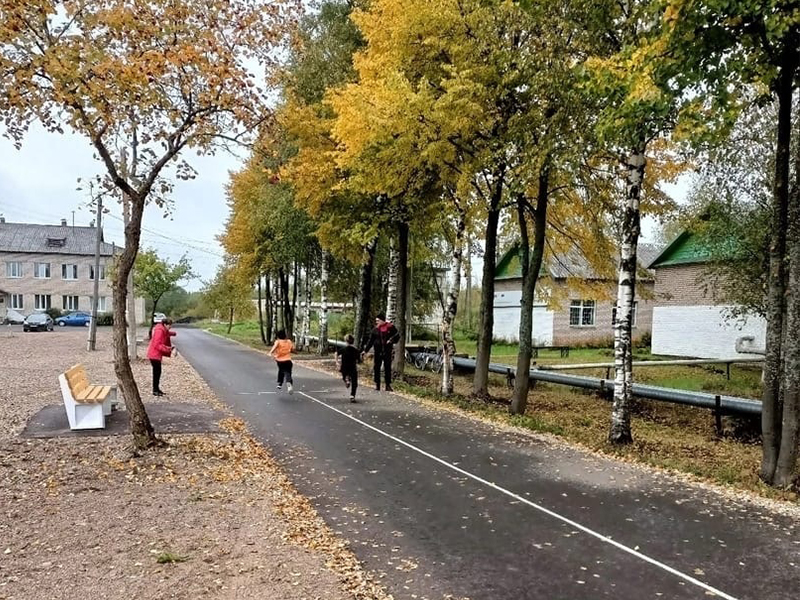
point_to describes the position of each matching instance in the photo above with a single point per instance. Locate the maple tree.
(142, 80)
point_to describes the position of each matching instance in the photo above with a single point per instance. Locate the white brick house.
(52, 266)
(688, 318)
(580, 310)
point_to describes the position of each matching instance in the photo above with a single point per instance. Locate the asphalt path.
(438, 504)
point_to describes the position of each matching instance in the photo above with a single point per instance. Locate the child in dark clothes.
(348, 359)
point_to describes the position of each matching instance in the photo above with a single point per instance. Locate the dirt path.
(207, 516)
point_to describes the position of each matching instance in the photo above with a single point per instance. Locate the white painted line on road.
(539, 507)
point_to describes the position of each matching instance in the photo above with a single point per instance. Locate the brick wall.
(565, 334)
(683, 285)
(55, 286)
(508, 293)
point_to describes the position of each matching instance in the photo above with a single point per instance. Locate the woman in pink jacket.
(160, 346)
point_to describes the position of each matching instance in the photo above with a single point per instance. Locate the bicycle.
(438, 361)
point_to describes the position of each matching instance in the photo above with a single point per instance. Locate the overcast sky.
(37, 185)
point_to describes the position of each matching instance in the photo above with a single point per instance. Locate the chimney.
(2, 219)
(63, 222)
(91, 223)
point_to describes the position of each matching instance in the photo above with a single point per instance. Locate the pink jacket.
(160, 344)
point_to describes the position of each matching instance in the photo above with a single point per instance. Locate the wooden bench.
(564, 350)
(87, 405)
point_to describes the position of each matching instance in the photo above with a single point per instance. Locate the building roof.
(686, 249)
(568, 265)
(30, 238)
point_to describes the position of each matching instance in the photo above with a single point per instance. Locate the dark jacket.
(350, 357)
(382, 339)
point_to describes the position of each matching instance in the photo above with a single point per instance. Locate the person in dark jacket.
(382, 339)
(348, 359)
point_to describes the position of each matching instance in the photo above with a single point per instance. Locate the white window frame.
(14, 269)
(42, 301)
(16, 302)
(102, 272)
(584, 308)
(37, 267)
(101, 304)
(64, 272)
(634, 313)
(70, 302)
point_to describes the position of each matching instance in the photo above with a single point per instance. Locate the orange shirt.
(283, 350)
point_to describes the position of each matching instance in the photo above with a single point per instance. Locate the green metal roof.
(685, 249)
(510, 265)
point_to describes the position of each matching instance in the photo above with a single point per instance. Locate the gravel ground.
(208, 516)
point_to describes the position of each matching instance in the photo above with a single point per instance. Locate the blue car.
(77, 319)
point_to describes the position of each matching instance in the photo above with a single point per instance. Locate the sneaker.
(289, 388)
(353, 399)
(389, 388)
(277, 387)
(377, 388)
(158, 394)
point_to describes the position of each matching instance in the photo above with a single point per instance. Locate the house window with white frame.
(101, 304)
(102, 272)
(69, 302)
(16, 302)
(582, 313)
(14, 270)
(69, 272)
(41, 270)
(41, 301)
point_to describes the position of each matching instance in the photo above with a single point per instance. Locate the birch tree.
(323, 300)
(160, 76)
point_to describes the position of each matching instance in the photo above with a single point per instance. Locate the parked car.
(38, 322)
(158, 317)
(76, 319)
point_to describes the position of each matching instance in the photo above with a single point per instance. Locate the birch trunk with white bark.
(307, 309)
(323, 311)
(391, 294)
(620, 432)
(451, 305)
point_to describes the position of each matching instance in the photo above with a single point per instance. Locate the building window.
(581, 313)
(102, 272)
(13, 270)
(69, 272)
(101, 304)
(16, 302)
(41, 270)
(42, 301)
(69, 302)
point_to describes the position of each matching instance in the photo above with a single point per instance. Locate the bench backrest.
(77, 379)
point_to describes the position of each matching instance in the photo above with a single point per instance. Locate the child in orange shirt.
(282, 353)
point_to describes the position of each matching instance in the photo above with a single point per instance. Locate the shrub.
(420, 333)
(466, 333)
(105, 319)
(54, 313)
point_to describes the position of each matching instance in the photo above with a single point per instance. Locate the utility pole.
(92, 343)
(130, 298)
